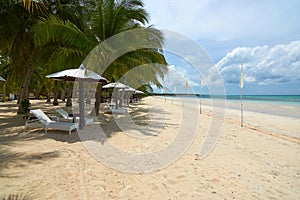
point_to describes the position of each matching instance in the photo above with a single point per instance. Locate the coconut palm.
(103, 20)
(16, 42)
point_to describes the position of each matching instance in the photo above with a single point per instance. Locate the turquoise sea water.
(270, 98)
(281, 99)
(293, 99)
(282, 105)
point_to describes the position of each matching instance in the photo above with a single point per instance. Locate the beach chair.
(43, 121)
(74, 119)
(116, 110)
(11, 97)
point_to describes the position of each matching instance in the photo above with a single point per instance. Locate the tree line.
(42, 37)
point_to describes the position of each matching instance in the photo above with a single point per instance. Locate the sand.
(160, 141)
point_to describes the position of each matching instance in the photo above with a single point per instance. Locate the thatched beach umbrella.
(2, 79)
(128, 92)
(139, 92)
(80, 75)
(117, 87)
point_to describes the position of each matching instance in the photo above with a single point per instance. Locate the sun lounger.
(43, 121)
(116, 110)
(11, 97)
(66, 116)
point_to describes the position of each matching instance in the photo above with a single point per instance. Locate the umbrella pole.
(116, 98)
(121, 98)
(81, 105)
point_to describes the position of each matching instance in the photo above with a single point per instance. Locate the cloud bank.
(263, 65)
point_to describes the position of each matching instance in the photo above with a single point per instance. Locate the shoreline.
(285, 125)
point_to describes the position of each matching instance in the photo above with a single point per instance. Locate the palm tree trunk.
(48, 97)
(23, 94)
(69, 102)
(36, 95)
(63, 92)
(96, 109)
(55, 101)
(4, 93)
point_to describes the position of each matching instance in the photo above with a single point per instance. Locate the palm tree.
(103, 20)
(16, 42)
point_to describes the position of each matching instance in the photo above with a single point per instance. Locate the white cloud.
(263, 65)
(177, 77)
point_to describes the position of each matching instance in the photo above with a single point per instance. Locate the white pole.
(241, 95)
(201, 82)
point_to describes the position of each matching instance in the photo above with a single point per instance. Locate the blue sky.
(263, 35)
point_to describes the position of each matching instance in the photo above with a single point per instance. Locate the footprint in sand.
(215, 180)
(171, 182)
(180, 177)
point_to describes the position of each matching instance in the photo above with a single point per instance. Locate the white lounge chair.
(66, 116)
(12, 97)
(43, 121)
(116, 110)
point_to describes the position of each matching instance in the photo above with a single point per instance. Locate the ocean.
(281, 105)
(279, 99)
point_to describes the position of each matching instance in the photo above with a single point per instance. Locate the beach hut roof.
(139, 92)
(116, 85)
(79, 74)
(129, 89)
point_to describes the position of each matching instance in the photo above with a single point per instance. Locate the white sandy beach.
(258, 161)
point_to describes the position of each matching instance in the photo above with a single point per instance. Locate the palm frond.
(53, 29)
(98, 21)
(64, 58)
(33, 6)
